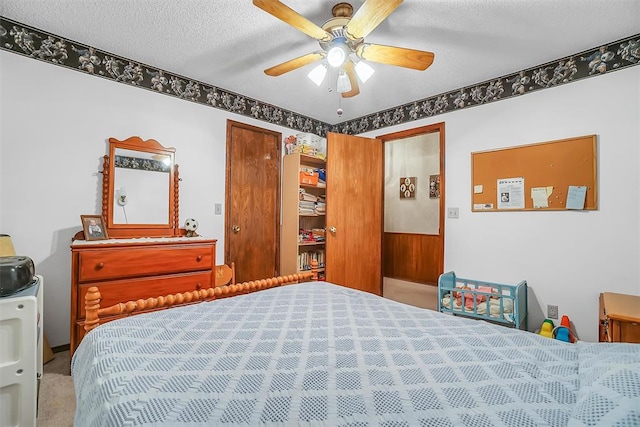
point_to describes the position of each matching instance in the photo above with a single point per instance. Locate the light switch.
(218, 209)
(453, 212)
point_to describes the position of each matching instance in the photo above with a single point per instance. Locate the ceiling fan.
(342, 37)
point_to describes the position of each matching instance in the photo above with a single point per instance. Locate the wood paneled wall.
(413, 257)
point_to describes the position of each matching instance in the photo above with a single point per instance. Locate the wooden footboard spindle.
(314, 269)
(94, 314)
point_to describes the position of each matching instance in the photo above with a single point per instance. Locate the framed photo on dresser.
(93, 227)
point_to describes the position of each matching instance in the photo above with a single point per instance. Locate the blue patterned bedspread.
(321, 354)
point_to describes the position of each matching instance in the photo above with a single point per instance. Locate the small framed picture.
(93, 227)
(408, 187)
(434, 186)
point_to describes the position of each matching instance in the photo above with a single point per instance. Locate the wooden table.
(619, 318)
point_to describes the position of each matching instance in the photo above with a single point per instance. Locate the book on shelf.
(305, 258)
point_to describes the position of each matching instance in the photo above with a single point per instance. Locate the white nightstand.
(21, 355)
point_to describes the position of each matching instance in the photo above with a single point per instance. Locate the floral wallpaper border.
(590, 63)
(31, 42)
(34, 43)
(150, 165)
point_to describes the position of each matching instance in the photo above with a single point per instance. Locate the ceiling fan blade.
(292, 64)
(399, 56)
(351, 72)
(293, 18)
(369, 16)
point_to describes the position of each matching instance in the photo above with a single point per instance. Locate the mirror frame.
(136, 143)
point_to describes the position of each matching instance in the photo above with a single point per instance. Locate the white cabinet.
(20, 355)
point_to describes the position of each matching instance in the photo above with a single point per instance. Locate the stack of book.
(310, 204)
(303, 195)
(321, 206)
(306, 207)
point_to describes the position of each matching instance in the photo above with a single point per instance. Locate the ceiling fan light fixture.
(318, 74)
(337, 55)
(364, 71)
(344, 84)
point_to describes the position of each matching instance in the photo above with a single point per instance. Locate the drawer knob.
(198, 286)
(99, 265)
(199, 258)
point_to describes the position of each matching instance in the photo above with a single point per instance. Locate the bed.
(316, 353)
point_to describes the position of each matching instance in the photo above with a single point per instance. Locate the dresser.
(130, 269)
(21, 343)
(619, 318)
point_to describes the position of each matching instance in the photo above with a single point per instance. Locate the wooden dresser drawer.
(620, 331)
(130, 269)
(118, 263)
(619, 317)
(115, 291)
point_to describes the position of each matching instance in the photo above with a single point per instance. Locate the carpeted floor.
(57, 405)
(57, 401)
(417, 294)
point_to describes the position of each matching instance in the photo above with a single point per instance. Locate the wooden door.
(354, 212)
(252, 214)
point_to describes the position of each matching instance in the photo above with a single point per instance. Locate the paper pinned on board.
(511, 193)
(576, 196)
(481, 206)
(540, 196)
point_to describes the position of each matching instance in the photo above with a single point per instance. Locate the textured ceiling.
(228, 43)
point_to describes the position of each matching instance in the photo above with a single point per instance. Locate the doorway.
(413, 237)
(252, 213)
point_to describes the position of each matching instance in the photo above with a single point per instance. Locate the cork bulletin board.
(553, 175)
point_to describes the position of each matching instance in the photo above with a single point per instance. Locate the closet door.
(354, 212)
(252, 232)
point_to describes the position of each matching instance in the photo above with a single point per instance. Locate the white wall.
(419, 157)
(567, 258)
(54, 128)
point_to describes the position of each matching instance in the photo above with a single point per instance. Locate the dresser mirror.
(140, 189)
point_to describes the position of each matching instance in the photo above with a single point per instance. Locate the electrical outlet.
(218, 209)
(552, 311)
(453, 212)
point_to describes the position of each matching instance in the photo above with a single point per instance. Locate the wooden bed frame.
(93, 311)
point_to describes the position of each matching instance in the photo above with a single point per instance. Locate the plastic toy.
(191, 225)
(563, 332)
(546, 330)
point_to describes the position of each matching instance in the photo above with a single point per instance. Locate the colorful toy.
(191, 225)
(563, 332)
(546, 330)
